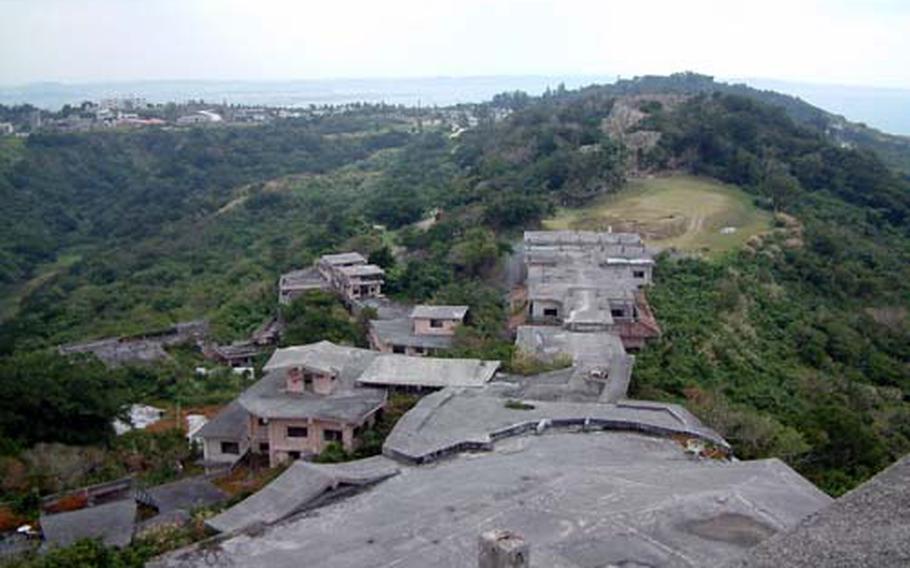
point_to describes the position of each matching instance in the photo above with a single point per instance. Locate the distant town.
(132, 112)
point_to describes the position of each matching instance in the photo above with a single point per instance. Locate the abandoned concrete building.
(140, 348)
(348, 274)
(236, 355)
(580, 474)
(351, 275)
(307, 398)
(585, 483)
(426, 331)
(590, 282)
(312, 395)
(296, 283)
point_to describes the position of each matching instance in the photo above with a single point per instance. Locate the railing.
(91, 492)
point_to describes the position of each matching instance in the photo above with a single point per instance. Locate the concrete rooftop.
(112, 523)
(581, 501)
(454, 420)
(431, 372)
(869, 526)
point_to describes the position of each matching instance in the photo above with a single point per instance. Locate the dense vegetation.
(796, 347)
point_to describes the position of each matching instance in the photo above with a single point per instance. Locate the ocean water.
(881, 108)
(440, 91)
(885, 109)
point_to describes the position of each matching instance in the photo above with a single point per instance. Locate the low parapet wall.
(451, 422)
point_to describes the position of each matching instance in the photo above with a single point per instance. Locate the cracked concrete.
(582, 500)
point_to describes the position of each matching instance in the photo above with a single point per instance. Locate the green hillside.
(795, 346)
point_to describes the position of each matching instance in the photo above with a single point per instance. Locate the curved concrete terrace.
(302, 485)
(580, 501)
(452, 421)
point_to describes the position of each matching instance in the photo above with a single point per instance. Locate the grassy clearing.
(680, 211)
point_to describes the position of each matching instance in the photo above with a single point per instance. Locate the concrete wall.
(323, 384)
(211, 450)
(422, 326)
(629, 272)
(538, 307)
(622, 310)
(259, 434)
(377, 344)
(280, 444)
(352, 289)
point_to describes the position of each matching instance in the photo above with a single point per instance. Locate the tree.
(476, 253)
(45, 397)
(383, 257)
(319, 316)
(779, 185)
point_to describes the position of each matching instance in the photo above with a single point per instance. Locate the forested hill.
(798, 346)
(894, 150)
(64, 190)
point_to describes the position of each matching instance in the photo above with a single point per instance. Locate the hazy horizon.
(838, 42)
(881, 107)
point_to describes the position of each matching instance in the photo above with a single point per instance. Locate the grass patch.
(518, 405)
(679, 211)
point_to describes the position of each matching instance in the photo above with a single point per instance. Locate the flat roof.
(566, 237)
(362, 270)
(586, 349)
(869, 526)
(400, 332)
(586, 307)
(424, 311)
(430, 372)
(307, 278)
(113, 523)
(299, 485)
(580, 500)
(343, 258)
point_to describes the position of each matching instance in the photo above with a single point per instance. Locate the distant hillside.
(894, 150)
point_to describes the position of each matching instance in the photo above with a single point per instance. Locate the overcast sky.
(835, 41)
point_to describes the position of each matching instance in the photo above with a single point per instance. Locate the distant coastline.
(429, 91)
(882, 108)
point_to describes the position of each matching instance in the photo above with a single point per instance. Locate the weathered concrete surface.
(299, 486)
(113, 523)
(453, 420)
(870, 526)
(580, 500)
(185, 494)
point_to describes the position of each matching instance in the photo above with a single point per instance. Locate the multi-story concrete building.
(317, 394)
(348, 274)
(587, 281)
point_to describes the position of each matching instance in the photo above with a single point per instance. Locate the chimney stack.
(503, 549)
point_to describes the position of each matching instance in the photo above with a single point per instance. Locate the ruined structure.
(426, 331)
(586, 476)
(348, 274)
(313, 395)
(590, 282)
(140, 348)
